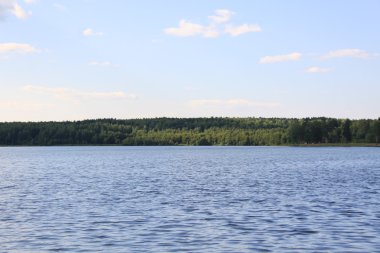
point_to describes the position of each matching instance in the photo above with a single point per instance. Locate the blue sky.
(79, 59)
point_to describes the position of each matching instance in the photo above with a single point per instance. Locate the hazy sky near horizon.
(79, 59)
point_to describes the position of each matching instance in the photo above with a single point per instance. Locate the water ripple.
(189, 199)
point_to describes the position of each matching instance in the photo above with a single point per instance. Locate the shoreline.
(363, 145)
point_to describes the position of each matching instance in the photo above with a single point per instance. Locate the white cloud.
(213, 29)
(350, 52)
(90, 32)
(20, 12)
(281, 58)
(12, 7)
(222, 16)
(187, 29)
(242, 29)
(232, 103)
(17, 48)
(30, 1)
(76, 95)
(317, 70)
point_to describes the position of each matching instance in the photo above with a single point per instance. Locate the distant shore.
(310, 132)
(337, 145)
(182, 145)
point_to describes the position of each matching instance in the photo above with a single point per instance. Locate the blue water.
(189, 199)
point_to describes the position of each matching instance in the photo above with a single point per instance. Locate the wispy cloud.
(12, 7)
(90, 32)
(232, 103)
(76, 95)
(281, 58)
(221, 16)
(350, 52)
(187, 29)
(317, 70)
(242, 29)
(215, 28)
(20, 12)
(17, 48)
(30, 1)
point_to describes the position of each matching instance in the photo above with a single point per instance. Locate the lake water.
(189, 199)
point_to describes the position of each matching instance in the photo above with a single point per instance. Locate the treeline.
(192, 131)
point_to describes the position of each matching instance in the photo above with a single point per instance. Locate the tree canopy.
(192, 131)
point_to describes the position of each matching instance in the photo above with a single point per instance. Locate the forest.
(193, 131)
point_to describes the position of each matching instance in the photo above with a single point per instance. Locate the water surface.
(189, 199)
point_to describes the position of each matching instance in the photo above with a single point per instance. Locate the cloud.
(30, 1)
(317, 70)
(6, 7)
(187, 29)
(232, 103)
(350, 52)
(20, 12)
(242, 29)
(222, 16)
(17, 48)
(11, 7)
(281, 58)
(76, 95)
(90, 32)
(214, 29)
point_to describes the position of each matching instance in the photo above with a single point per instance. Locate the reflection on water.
(189, 199)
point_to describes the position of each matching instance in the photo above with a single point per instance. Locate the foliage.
(191, 131)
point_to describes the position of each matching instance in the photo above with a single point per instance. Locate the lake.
(189, 199)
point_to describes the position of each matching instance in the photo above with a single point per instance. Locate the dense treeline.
(192, 131)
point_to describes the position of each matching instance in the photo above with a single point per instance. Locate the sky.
(85, 59)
